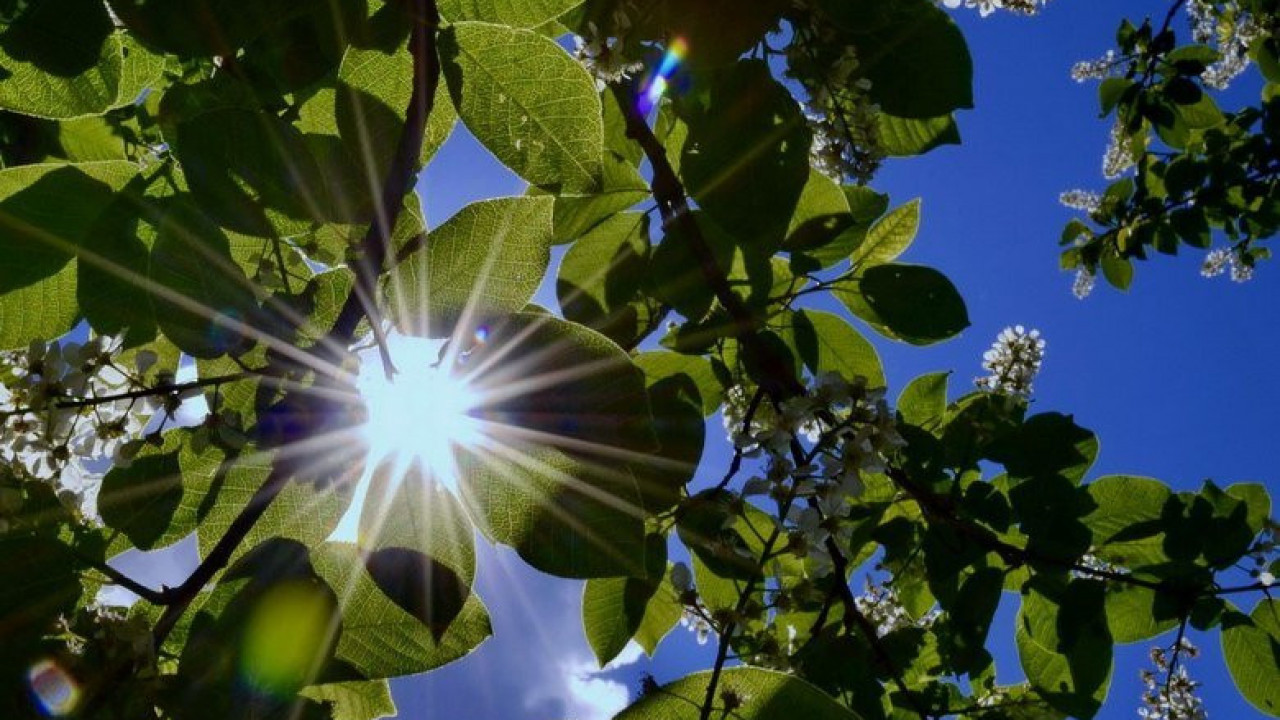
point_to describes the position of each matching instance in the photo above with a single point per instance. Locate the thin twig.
(137, 394)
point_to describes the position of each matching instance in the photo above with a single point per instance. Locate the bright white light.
(422, 413)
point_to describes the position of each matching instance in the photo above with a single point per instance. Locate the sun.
(423, 413)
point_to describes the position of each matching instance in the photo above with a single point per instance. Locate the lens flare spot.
(659, 81)
(286, 637)
(54, 691)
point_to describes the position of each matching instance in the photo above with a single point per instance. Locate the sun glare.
(419, 415)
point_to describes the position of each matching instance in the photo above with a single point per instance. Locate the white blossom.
(1082, 200)
(1084, 283)
(1013, 361)
(1119, 156)
(1170, 692)
(1094, 69)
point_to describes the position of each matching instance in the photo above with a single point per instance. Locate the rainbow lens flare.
(659, 81)
(55, 692)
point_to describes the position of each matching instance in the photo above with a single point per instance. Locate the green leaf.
(141, 500)
(354, 700)
(823, 230)
(251, 171)
(826, 343)
(528, 102)
(1136, 613)
(1048, 444)
(47, 214)
(484, 262)
(918, 62)
(746, 159)
(676, 401)
(422, 552)
(904, 137)
(1251, 647)
(203, 301)
(1126, 520)
(218, 484)
(600, 279)
(1064, 644)
(613, 609)
(223, 26)
(889, 237)
(57, 68)
(526, 14)
(379, 639)
(1117, 270)
(923, 402)
(912, 303)
(764, 694)
(560, 486)
(661, 614)
(660, 365)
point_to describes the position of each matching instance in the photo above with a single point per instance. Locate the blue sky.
(1176, 377)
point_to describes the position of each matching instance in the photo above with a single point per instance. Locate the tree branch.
(137, 394)
(361, 303)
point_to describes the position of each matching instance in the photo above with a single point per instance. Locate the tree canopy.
(209, 222)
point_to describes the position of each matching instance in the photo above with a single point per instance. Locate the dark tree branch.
(155, 597)
(376, 245)
(673, 204)
(156, 391)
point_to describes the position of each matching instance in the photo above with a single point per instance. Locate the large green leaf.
(923, 402)
(207, 27)
(204, 302)
(1251, 647)
(568, 414)
(379, 639)
(600, 279)
(1125, 523)
(909, 136)
(527, 14)
(47, 214)
(823, 231)
(422, 552)
(916, 58)
(764, 695)
(250, 170)
(660, 365)
(528, 102)
(217, 485)
(484, 262)
(746, 160)
(826, 343)
(912, 303)
(889, 237)
(61, 59)
(1064, 644)
(613, 609)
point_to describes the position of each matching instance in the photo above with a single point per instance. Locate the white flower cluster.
(844, 120)
(1119, 155)
(1084, 283)
(1013, 361)
(1224, 259)
(986, 7)
(1170, 692)
(1264, 553)
(851, 428)
(1098, 69)
(1090, 562)
(694, 617)
(1232, 30)
(882, 606)
(604, 53)
(47, 435)
(1082, 200)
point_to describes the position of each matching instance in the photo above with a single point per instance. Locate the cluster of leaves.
(231, 185)
(1200, 175)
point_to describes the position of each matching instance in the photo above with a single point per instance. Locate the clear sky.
(1176, 377)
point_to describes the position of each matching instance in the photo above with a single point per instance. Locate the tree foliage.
(229, 187)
